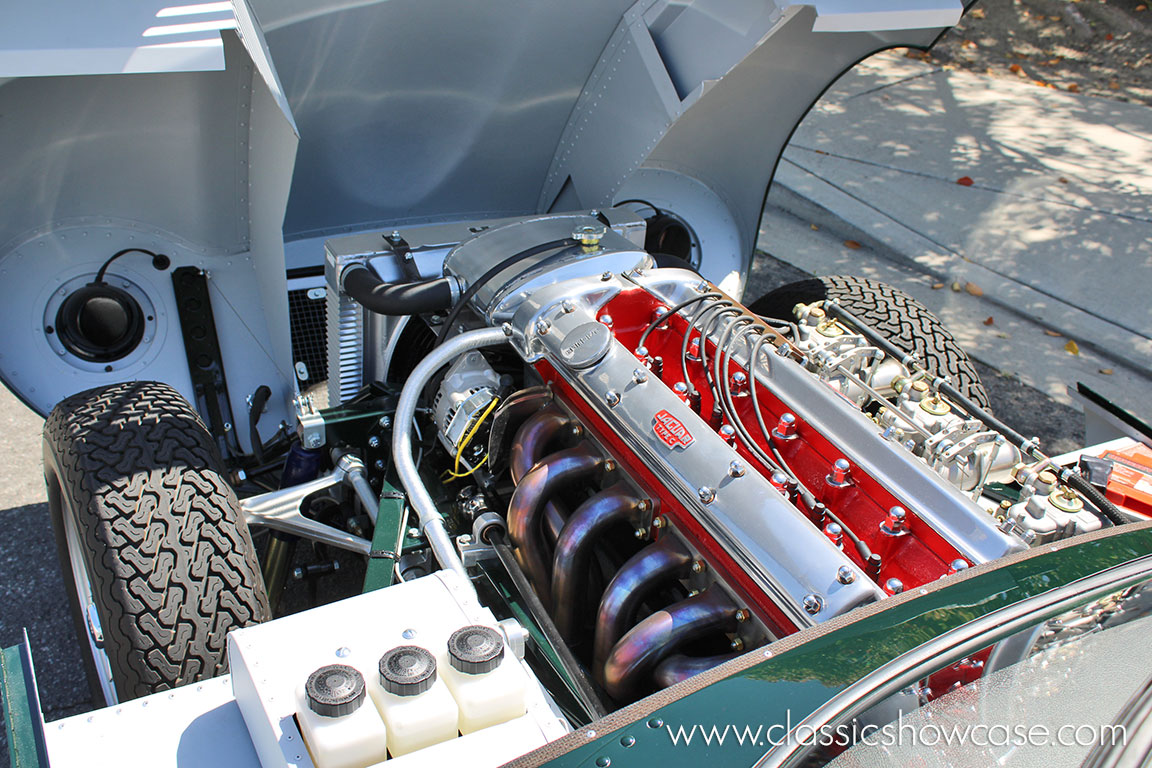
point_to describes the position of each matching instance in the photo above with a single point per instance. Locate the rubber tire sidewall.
(129, 679)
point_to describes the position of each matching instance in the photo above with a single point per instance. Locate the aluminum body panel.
(779, 549)
(959, 520)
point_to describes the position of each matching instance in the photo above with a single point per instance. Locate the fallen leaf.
(965, 181)
(851, 244)
(937, 286)
(1073, 88)
(815, 227)
(1015, 69)
(1108, 37)
(1106, 371)
(1048, 332)
(1141, 7)
(977, 13)
(1062, 180)
(957, 287)
(974, 289)
(1114, 85)
(1072, 347)
(989, 321)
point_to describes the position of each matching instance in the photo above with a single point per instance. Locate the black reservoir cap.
(407, 670)
(475, 649)
(335, 690)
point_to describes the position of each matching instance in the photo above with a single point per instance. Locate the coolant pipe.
(431, 523)
(554, 473)
(576, 544)
(413, 298)
(677, 668)
(646, 571)
(532, 440)
(628, 671)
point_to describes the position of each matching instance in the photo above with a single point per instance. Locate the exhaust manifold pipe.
(536, 488)
(575, 546)
(536, 434)
(644, 573)
(634, 659)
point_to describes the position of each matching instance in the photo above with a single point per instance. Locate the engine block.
(705, 434)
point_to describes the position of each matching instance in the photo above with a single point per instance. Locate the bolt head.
(640, 533)
(698, 566)
(606, 276)
(385, 422)
(373, 442)
(612, 398)
(736, 469)
(743, 615)
(464, 540)
(606, 320)
(898, 513)
(640, 375)
(706, 494)
(893, 586)
(813, 604)
(542, 327)
(567, 306)
(845, 575)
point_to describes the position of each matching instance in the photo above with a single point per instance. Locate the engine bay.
(646, 475)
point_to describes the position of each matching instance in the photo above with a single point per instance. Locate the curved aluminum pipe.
(431, 523)
(628, 671)
(644, 572)
(532, 440)
(575, 546)
(678, 667)
(553, 473)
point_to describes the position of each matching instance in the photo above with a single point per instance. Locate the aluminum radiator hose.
(431, 523)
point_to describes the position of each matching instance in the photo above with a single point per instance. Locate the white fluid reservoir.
(414, 703)
(489, 687)
(341, 728)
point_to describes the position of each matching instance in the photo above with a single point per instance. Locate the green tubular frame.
(21, 708)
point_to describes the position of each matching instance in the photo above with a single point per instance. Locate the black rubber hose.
(259, 400)
(384, 298)
(479, 283)
(1095, 498)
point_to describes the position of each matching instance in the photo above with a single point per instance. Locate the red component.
(669, 429)
(916, 557)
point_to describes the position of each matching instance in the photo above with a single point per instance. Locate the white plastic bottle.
(416, 706)
(340, 728)
(489, 688)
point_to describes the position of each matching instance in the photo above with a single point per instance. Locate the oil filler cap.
(585, 345)
(335, 690)
(408, 670)
(475, 649)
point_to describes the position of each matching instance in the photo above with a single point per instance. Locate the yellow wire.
(468, 439)
(454, 475)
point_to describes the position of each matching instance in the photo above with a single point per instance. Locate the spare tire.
(897, 316)
(157, 559)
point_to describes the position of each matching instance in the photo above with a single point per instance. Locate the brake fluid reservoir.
(339, 731)
(416, 706)
(488, 687)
